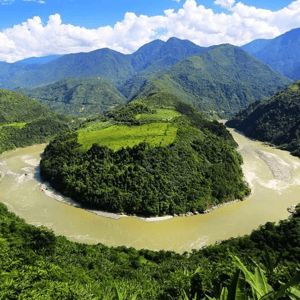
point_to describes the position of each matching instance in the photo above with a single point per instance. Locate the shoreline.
(46, 188)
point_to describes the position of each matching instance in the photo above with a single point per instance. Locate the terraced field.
(117, 136)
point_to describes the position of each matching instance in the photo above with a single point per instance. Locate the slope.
(222, 80)
(79, 97)
(275, 120)
(281, 53)
(24, 121)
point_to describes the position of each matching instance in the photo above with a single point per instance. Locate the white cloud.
(7, 2)
(225, 3)
(197, 23)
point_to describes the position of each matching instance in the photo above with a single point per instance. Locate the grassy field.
(18, 125)
(116, 137)
(162, 114)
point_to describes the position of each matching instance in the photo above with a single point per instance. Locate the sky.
(35, 28)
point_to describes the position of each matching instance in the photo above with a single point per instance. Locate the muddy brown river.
(274, 177)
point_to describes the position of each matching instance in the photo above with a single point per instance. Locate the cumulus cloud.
(225, 3)
(197, 23)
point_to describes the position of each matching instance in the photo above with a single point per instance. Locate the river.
(274, 177)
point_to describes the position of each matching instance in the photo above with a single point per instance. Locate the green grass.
(116, 137)
(294, 87)
(95, 126)
(162, 114)
(18, 125)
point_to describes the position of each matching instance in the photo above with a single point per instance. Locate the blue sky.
(96, 13)
(42, 27)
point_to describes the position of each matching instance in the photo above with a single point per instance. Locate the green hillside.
(275, 120)
(222, 80)
(128, 161)
(36, 264)
(24, 121)
(81, 97)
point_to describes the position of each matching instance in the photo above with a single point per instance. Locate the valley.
(156, 195)
(268, 201)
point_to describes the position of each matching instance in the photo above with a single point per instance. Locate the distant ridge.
(281, 53)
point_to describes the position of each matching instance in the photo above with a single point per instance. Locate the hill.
(24, 121)
(80, 97)
(281, 53)
(128, 160)
(222, 80)
(275, 120)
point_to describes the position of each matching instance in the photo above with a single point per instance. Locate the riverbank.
(279, 168)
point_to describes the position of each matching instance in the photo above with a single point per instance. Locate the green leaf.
(237, 287)
(224, 294)
(262, 283)
(293, 293)
(294, 281)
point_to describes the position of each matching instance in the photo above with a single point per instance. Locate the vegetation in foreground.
(136, 161)
(36, 264)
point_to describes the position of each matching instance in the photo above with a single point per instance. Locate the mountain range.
(220, 80)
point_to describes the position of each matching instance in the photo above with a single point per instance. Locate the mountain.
(104, 63)
(275, 120)
(39, 60)
(281, 53)
(79, 97)
(222, 80)
(24, 121)
(219, 79)
(158, 55)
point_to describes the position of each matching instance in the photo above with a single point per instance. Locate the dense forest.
(275, 120)
(24, 121)
(172, 160)
(36, 264)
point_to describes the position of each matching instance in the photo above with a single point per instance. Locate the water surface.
(21, 191)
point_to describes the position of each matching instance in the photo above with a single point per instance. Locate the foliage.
(141, 176)
(24, 121)
(36, 264)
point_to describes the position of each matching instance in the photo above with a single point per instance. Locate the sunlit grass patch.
(162, 114)
(116, 137)
(18, 125)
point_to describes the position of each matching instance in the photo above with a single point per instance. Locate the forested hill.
(223, 80)
(275, 120)
(24, 121)
(151, 157)
(80, 97)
